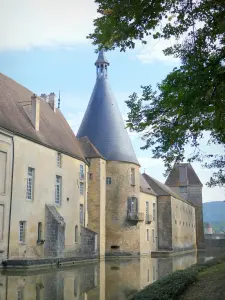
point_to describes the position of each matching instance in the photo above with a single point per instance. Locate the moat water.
(111, 280)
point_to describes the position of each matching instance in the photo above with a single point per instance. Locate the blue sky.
(43, 47)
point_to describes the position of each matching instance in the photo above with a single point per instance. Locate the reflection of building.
(111, 280)
(65, 197)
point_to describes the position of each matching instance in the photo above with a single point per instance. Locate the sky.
(43, 46)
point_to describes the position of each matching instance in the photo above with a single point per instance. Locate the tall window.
(58, 190)
(39, 231)
(147, 232)
(147, 212)
(154, 215)
(1, 221)
(132, 176)
(76, 234)
(81, 172)
(108, 180)
(20, 294)
(183, 189)
(132, 205)
(81, 214)
(59, 160)
(153, 235)
(30, 183)
(81, 188)
(22, 231)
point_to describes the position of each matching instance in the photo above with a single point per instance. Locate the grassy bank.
(183, 284)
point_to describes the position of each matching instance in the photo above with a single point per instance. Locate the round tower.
(104, 126)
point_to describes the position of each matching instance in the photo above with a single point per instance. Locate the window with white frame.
(22, 231)
(81, 171)
(58, 190)
(132, 176)
(59, 160)
(108, 180)
(147, 212)
(20, 294)
(81, 214)
(183, 189)
(30, 184)
(81, 188)
(154, 212)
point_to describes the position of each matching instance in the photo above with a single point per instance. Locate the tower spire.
(101, 65)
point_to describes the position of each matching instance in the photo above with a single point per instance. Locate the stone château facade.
(75, 197)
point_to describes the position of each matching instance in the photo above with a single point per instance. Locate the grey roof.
(54, 131)
(145, 187)
(101, 58)
(192, 178)
(88, 148)
(161, 189)
(104, 126)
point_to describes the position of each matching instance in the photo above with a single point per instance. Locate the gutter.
(11, 194)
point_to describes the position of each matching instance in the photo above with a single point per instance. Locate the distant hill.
(214, 213)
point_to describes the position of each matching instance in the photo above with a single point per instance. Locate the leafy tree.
(191, 99)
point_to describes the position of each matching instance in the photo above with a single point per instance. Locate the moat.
(111, 280)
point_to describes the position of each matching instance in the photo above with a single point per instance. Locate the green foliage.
(191, 99)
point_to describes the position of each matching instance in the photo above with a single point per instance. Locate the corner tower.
(105, 128)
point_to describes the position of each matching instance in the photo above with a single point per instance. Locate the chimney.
(44, 96)
(35, 111)
(51, 100)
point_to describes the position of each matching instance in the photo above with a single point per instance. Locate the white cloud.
(31, 23)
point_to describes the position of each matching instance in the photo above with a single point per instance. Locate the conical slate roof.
(104, 126)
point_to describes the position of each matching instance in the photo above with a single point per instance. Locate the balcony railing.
(135, 216)
(148, 219)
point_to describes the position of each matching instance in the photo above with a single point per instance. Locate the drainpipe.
(11, 194)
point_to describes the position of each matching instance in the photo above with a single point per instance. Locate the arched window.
(76, 234)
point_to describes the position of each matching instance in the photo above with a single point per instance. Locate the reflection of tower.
(185, 182)
(103, 125)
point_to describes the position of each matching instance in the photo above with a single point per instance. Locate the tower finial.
(59, 100)
(101, 65)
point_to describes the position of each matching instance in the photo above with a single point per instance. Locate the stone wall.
(97, 200)
(164, 223)
(6, 155)
(122, 236)
(88, 241)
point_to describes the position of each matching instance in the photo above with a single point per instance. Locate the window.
(182, 174)
(38, 292)
(147, 234)
(153, 274)
(175, 221)
(76, 234)
(1, 221)
(75, 287)
(132, 176)
(108, 180)
(20, 294)
(3, 160)
(148, 275)
(90, 176)
(81, 172)
(153, 235)
(30, 183)
(58, 190)
(39, 231)
(22, 231)
(59, 160)
(147, 212)
(81, 214)
(81, 188)
(153, 211)
(183, 189)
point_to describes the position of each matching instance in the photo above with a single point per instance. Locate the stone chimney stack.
(51, 100)
(35, 111)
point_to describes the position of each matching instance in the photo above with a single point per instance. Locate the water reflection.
(111, 280)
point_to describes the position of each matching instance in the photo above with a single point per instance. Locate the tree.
(191, 99)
